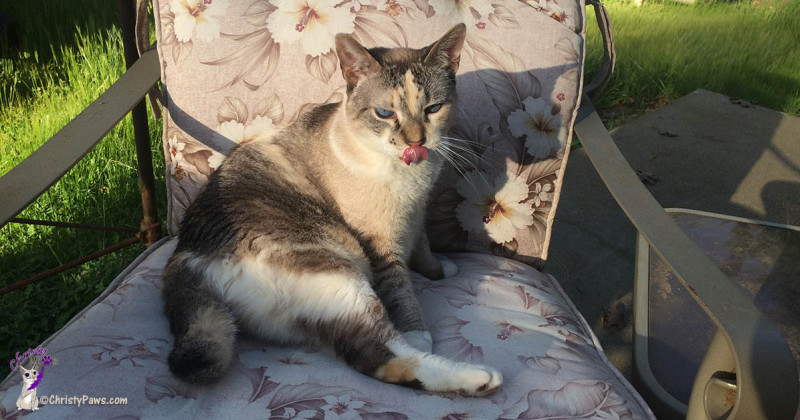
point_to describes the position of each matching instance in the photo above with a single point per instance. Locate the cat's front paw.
(439, 267)
(449, 268)
(420, 340)
(479, 381)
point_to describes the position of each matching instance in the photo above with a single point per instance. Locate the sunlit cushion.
(496, 311)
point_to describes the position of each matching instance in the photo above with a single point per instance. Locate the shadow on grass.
(38, 32)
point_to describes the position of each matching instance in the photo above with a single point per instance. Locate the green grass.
(47, 80)
(665, 50)
(67, 57)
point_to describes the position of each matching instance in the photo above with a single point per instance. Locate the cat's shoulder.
(316, 116)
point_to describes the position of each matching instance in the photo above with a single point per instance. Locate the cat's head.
(28, 375)
(401, 99)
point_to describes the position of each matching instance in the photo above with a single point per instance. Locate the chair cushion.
(496, 311)
(233, 71)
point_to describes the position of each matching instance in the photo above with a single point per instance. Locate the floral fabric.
(496, 311)
(235, 70)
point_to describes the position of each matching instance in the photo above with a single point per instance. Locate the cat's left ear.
(446, 52)
(356, 62)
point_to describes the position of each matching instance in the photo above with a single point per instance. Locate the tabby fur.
(306, 237)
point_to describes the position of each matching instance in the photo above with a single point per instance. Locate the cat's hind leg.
(203, 327)
(345, 313)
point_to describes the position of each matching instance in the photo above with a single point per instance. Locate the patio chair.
(230, 68)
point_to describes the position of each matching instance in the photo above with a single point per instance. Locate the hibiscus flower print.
(342, 407)
(313, 23)
(259, 128)
(541, 193)
(197, 19)
(493, 206)
(462, 10)
(175, 150)
(542, 126)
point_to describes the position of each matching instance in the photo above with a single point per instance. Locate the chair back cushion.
(234, 70)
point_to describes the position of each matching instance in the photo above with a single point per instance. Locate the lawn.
(48, 79)
(665, 50)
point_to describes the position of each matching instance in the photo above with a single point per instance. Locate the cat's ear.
(446, 52)
(356, 62)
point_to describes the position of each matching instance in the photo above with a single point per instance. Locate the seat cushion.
(496, 311)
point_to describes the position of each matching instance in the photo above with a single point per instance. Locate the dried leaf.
(258, 12)
(614, 316)
(503, 17)
(322, 66)
(271, 108)
(667, 132)
(647, 177)
(232, 109)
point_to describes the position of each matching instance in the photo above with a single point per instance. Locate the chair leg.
(150, 227)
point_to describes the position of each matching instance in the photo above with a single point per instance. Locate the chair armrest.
(34, 175)
(766, 383)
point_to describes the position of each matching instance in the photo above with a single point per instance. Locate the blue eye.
(384, 113)
(433, 109)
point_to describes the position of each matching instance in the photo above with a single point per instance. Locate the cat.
(306, 237)
(27, 397)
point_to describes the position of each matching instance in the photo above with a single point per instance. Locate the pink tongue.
(415, 154)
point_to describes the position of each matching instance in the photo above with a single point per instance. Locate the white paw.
(439, 374)
(420, 340)
(478, 381)
(449, 268)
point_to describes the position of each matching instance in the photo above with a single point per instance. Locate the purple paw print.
(47, 360)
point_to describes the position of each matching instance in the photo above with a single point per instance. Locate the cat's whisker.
(461, 170)
(470, 142)
(468, 145)
(450, 147)
(473, 154)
